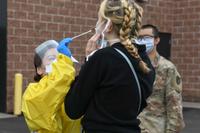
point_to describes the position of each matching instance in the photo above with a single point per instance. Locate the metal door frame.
(3, 54)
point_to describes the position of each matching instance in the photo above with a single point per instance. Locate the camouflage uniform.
(163, 113)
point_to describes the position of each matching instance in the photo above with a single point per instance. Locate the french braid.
(126, 17)
(126, 30)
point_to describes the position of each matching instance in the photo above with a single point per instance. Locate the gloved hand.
(63, 47)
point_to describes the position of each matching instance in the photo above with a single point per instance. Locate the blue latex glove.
(63, 47)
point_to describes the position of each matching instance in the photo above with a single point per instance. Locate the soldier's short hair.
(154, 29)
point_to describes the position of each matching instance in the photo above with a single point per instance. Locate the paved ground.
(192, 120)
(18, 125)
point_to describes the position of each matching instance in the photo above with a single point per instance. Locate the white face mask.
(103, 43)
(147, 41)
(48, 68)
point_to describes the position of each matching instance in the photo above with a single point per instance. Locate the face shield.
(47, 51)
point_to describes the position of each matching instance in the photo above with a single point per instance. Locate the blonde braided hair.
(138, 19)
(130, 20)
(126, 18)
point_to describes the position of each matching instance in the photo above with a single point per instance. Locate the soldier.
(163, 113)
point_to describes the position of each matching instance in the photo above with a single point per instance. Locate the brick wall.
(31, 22)
(186, 46)
(182, 19)
(159, 13)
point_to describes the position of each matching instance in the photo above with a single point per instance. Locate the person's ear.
(157, 40)
(39, 70)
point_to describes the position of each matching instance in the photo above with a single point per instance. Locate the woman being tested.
(42, 103)
(113, 85)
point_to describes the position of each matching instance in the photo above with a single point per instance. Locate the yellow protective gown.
(43, 102)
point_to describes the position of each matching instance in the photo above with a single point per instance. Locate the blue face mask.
(102, 43)
(147, 41)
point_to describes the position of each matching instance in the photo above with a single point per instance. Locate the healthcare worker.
(113, 85)
(42, 103)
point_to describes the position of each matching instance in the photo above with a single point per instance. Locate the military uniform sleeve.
(42, 100)
(173, 100)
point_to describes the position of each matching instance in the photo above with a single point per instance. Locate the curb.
(3, 116)
(191, 105)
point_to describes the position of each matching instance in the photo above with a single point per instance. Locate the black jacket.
(106, 92)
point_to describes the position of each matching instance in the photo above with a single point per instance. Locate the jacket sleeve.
(42, 100)
(82, 90)
(173, 100)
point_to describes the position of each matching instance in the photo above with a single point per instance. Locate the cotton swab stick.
(82, 34)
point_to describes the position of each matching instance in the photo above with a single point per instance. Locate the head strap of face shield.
(42, 48)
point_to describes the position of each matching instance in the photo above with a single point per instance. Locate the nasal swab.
(82, 34)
